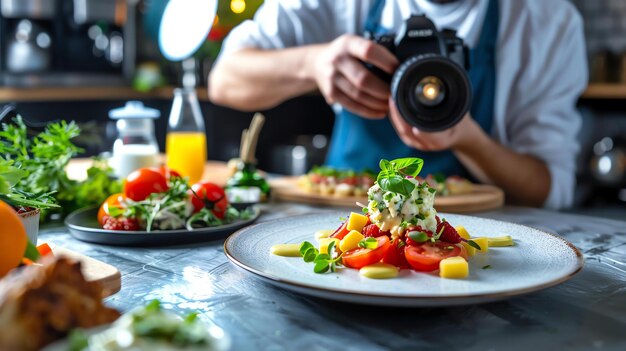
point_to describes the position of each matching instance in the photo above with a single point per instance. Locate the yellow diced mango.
(324, 242)
(471, 251)
(462, 232)
(453, 268)
(350, 241)
(483, 243)
(356, 221)
(500, 241)
(323, 233)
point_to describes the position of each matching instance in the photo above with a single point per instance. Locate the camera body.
(431, 88)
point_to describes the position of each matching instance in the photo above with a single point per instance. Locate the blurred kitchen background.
(77, 59)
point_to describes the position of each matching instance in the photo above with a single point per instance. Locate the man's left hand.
(455, 137)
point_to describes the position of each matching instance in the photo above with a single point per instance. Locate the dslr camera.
(431, 88)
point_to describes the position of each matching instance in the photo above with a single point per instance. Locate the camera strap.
(372, 22)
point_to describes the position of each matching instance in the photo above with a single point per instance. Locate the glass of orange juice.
(185, 145)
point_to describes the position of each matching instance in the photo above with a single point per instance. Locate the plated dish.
(83, 225)
(537, 261)
(326, 180)
(400, 234)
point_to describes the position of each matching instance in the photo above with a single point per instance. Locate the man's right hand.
(337, 68)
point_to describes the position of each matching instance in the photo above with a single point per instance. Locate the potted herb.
(27, 205)
(33, 171)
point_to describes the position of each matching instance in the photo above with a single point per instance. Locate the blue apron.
(360, 143)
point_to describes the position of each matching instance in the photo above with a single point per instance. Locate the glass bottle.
(186, 136)
(136, 145)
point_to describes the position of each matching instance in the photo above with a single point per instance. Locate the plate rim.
(287, 283)
(257, 213)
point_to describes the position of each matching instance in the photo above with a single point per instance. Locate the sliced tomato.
(395, 254)
(114, 200)
(143, 182)
(426, 257)
(341, 231)
(361, 257)
(211, 196)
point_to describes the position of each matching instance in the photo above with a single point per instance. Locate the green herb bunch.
(35, 169)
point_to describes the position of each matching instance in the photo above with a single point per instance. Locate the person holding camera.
(527, 67)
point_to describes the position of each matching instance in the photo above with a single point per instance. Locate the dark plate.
(83, 225)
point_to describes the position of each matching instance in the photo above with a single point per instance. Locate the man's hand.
(342, 78)
(453, 138)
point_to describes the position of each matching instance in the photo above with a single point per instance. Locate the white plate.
(537, 261)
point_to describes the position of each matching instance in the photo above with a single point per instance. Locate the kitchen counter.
(9, 94)
(584, 313)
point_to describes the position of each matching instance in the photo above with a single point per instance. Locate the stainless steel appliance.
(67, 42)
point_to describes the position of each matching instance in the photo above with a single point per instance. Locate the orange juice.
(186, 153)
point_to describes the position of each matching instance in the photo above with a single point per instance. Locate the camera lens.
(431, 92)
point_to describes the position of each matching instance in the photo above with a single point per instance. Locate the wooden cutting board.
(483, 198)
(94, 270)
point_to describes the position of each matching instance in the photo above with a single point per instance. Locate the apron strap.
(372, 22)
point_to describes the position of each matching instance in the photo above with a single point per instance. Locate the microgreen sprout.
(368, 243)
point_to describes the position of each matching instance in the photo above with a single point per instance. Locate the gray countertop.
(587, 312)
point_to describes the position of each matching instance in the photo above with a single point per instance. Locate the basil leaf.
(408, 187)
(394, 184)
(418, 237)
(384, 165)
(410, 166)
(321, 266)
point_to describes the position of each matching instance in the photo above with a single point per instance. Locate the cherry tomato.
(341, 231)
(361, 257)
(143, 182)
(426, 257)
(211, 196)
(395, 254)
(168, 172)
(114, 200)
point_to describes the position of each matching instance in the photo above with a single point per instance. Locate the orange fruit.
(13, 239)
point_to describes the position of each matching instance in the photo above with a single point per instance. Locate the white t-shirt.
(540, 63)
